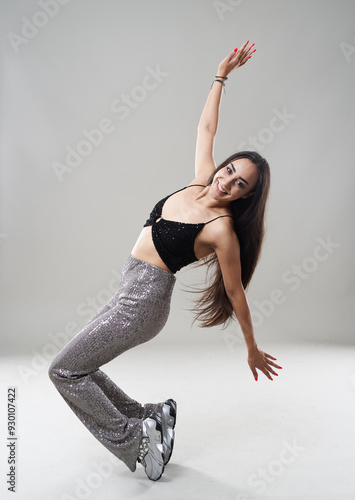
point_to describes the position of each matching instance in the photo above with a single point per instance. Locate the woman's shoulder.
(220, 231)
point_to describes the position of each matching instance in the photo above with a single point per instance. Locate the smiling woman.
(245, 177)
(217, 218)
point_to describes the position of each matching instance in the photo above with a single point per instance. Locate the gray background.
(64, 239)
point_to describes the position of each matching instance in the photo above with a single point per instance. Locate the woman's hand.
(260, 360)
(235, 59)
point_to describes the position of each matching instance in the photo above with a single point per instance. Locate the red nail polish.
(256, 378)
(276, 374)
(247, 42)
(235, 50)
(280, 367)
(271, 379)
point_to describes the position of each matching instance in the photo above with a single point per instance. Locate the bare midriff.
(145, 250)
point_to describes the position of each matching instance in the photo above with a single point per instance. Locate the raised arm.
(207, 127)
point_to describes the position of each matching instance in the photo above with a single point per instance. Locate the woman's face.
(237, 180)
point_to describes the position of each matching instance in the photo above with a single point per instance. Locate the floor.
(236, 439)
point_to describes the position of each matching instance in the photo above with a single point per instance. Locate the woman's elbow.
(206, 128)
(235, 293)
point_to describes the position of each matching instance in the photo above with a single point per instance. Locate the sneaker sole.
(153, 461)
(168, 425)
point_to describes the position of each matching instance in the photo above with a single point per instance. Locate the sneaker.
(168, 418)
(151, 449)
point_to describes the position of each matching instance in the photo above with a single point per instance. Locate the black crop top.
(175, 241)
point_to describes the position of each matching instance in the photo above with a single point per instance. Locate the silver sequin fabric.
(136, 313)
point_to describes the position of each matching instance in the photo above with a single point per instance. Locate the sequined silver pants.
(136, 313)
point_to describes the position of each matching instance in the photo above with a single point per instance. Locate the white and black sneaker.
(151, 454)
(168, 419)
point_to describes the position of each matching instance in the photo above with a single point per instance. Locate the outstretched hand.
(236, 59)
(260, 360)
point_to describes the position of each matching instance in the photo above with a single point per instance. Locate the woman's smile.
(221, 190)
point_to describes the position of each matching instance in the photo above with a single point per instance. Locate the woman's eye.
(240, 184)
(229, 170)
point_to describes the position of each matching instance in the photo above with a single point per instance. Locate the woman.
(218, 217)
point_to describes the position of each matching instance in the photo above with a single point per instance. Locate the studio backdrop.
(100, 102)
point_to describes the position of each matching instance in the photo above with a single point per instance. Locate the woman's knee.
(52, 371)
(56, 370)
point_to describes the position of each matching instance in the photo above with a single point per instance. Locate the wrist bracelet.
(220, 81)
(223, 77)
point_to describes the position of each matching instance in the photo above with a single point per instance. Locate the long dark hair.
(214, 307)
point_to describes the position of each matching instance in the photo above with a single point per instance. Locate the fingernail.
(276, 374)
(235, 50)
(271, 379)
(256, 378)
(254, 50)
(252, 45)
(247, 41)
(280, 367)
